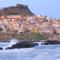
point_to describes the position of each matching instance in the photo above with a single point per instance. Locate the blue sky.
(44, 7)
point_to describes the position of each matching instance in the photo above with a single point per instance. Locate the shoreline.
(6, 37)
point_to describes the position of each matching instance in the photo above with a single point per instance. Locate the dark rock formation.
(23, 45)
(1, 48)
(19, 9)
(51, 42)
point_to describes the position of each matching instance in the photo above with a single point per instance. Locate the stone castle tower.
(19, 9)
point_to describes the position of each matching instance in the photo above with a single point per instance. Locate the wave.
(12, 41)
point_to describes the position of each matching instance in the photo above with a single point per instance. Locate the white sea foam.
(12, 41)
(41, 52)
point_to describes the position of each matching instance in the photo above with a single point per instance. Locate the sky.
(49, 8)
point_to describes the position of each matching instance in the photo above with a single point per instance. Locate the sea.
(40, 52)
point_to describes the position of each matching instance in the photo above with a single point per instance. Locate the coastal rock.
(1, 48)
(50, 42)
(23, 45)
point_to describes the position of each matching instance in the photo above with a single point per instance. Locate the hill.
(19, 9)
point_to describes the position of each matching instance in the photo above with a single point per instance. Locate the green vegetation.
(23, 36)
(30, 36)
(38, 36)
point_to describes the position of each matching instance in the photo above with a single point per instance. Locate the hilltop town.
(19, 19)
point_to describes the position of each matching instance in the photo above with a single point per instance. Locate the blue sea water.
(41, 52)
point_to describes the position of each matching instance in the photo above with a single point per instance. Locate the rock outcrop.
(23, 45)
(1, 48)
(51, 42)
